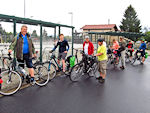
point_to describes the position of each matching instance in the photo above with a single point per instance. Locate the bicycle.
(116, 58)
(137, 56)
(12, 79)
(4, 60)
(52, 66)
(128, 55)
(88, 65)
(109, 55)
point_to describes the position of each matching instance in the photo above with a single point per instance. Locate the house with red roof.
(101, 28)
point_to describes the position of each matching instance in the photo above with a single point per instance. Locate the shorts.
(131, 53)
(102, 66)
(142, 53)
(62, 56)
(27, 60)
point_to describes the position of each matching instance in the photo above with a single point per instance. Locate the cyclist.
(88, 47)
(115, 45)
(102, 58)
(122, 50)
(115, 48)
(142, 49)
(130, 49)
(24, 49)
(62, 43)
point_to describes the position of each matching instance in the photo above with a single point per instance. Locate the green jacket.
(17, 46)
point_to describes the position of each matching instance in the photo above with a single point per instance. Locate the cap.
(86, 36)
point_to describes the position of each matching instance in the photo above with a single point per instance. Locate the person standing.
(88, 47)
(24, 49)
(102, 58)
(122, 50)
(63, 50)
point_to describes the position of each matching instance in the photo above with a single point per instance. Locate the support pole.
(59, 30)
(40, 43)
(72, 39)
(55, 33)
(14, 28)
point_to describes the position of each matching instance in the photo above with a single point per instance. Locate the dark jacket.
(17, 46)
(62, 46)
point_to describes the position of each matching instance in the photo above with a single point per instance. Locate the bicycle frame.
(53, 57)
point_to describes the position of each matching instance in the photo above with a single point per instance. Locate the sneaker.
(102, 80)
(99, 78)
(122, 67)
(142, 63)
(57, 71)
(32, 80)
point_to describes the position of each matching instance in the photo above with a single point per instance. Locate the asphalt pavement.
(124, 91)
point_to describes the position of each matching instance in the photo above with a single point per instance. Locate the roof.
(8, 18)
(118, 33)
(96, 27)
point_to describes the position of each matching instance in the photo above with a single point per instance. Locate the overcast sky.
(84, 11)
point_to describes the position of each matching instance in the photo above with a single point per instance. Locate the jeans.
(123, 58)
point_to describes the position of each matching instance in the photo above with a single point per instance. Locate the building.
(101, 28)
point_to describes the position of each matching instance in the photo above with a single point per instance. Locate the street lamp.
(24, 8)
(31, 25)
(71, 13)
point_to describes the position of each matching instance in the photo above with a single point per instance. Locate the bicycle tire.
(41, 75)
(76, 72)
(9, 87)
(51, 71)
(133, 60)
(93, 70)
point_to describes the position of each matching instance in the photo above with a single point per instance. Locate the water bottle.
(23, 71)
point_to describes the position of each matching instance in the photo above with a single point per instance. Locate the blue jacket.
(142, 46)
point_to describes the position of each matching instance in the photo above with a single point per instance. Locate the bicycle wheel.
(93, 70)
(68, 69)
(133, 60)
(51, 68)
(11, 82)
(76, 72)
(41, 75)
(52, 71)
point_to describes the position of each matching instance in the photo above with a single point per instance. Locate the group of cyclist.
(123, 47)
(24, 50)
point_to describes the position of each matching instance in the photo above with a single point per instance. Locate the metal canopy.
(14, 20)
(7, 18)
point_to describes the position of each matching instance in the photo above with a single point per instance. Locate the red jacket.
(90, 48)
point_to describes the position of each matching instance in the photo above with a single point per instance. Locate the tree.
(44, 33)
(34, 34)
(130, 22)
(147, 37)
